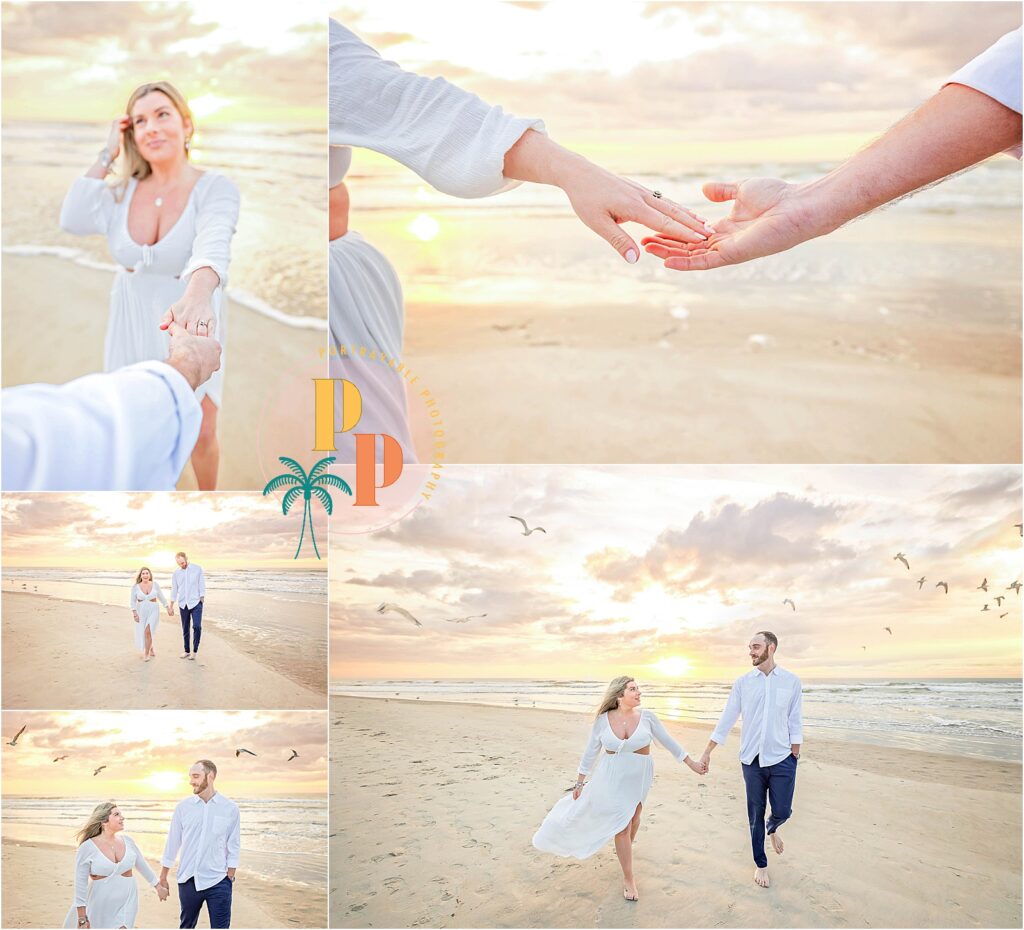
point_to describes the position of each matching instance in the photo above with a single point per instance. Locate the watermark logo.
(308, 486)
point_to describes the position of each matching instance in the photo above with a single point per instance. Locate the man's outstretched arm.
(954, 130)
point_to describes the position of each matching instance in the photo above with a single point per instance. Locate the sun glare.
(424, 228)
(166, 780)
(673, 665)
(207, 105)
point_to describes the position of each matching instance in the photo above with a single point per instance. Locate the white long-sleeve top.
(201, 237)
(603, 737)
(127, 430)
(139, 598)
(208, 835)
(91, 860)
(188, 585)
(451, 138)
(771, 709)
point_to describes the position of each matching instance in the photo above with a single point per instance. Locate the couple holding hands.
(205, 830)
(608, 805)
(188, 591)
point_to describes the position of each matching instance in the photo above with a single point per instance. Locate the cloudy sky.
(651, 86)
(80, 61)
(122, 531)
(668, 570)
(148, 754)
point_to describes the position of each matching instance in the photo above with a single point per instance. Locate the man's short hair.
(208, 767)
(770, 638)
(180, 555)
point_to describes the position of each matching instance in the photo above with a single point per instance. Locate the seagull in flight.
(17, 736)
(944, 586)
(999, 600)
(394, 608)
(100, 769)
(983, 586)
(294, 755)
(1015, 587)
(238, 752)
(902, 558)
(888, 630)
(526, 530)
(1020, 527)
(791, 604)
(58, 759)
(463, 619)
(1003, 615)
(920, 582)
(983, 609)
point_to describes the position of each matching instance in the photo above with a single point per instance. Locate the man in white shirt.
(188, 590)
(205, 828)
(127, 430)
(768, 698)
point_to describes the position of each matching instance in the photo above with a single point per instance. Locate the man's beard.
(761, 658)
(198, 789)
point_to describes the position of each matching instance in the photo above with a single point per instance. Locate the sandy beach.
(44, 670)
(68, 303)
(433, 807)
(38, 889)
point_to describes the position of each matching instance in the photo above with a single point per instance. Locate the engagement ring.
(657, 194)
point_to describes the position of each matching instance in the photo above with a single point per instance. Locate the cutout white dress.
(112, 901)
(152, 277)
(580, 828)
(149, 613)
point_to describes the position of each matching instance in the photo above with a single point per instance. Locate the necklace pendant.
(159, 201)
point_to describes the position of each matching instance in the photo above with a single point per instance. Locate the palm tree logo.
(309, 486)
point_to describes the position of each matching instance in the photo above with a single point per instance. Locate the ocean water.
(526, 247)
(283, 839)
(979, 717)
(278, 255)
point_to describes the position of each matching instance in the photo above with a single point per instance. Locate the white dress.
(149, 614)
(608, 801)
(152, 277)
(112, 901)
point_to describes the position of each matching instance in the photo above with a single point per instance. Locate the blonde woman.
(609, 805)
(145, 594)
(105, 890)
(169, 226)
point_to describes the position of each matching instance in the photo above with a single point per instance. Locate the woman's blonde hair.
(134, 165)
(144, 568)
(616, 689)
(94, 825)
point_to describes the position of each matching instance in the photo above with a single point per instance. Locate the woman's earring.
(188, 144)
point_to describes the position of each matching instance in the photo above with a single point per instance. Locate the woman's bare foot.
(761, 876)
(777, 843)
(630, 893)
(145, 658)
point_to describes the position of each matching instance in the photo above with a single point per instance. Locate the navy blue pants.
(195, 616)
(217, 898)
(774, 783)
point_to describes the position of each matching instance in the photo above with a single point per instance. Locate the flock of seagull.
(238, 752)
(388, 607)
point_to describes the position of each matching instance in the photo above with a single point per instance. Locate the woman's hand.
(577, 791)
(135, 616)
(698, 767)
(601, 199)
(192, 314)
(117, 130)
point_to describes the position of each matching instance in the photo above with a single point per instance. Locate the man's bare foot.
(185, 655)
(761, 877)
(777, 843)
(192, 656)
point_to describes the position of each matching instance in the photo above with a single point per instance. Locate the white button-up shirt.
(128, 430)
(770, 707)
(188, 585)
(208, 835)
(996, 72)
